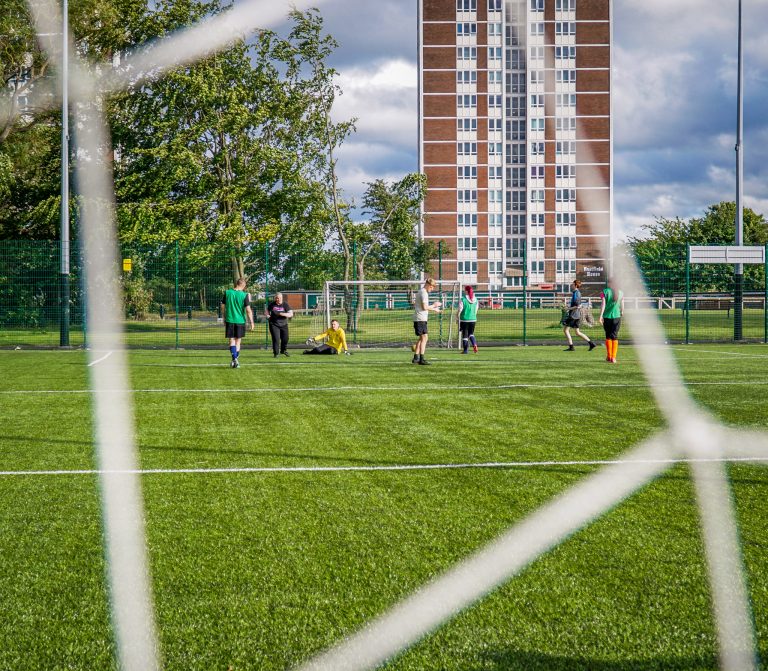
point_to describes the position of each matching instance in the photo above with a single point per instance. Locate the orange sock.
(608, 348)
(615, 349)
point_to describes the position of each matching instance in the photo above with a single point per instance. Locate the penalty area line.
(400, 467)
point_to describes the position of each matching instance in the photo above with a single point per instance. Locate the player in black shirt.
(279, 312)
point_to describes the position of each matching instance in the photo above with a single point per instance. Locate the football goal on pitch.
(380, 313)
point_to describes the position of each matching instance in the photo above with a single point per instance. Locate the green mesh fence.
(172, 296)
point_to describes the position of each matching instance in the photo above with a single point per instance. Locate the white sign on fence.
(730, 254)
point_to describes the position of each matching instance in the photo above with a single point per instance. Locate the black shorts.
(572, 323)
(611, 328)
(234, 330)
(420, 328)
(467, 329)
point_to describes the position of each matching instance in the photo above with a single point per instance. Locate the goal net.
(380, 313)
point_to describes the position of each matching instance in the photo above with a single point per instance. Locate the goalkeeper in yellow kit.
(336, 341)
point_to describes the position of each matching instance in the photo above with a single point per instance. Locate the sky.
(674, 101)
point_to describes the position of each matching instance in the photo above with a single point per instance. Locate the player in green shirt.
(235, 307)
(468, 319)
(611, 309)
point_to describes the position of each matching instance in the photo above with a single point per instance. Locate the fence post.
(266, 292)
(439, 284)
(177, 294)
(525, 293)
(687, 294)
(765, 297)
(355, 293)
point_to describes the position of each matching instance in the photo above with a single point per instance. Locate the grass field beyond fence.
(261, 570)
(394, 327)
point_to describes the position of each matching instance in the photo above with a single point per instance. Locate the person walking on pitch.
(422, 308)
(279, 312)
(574, 319)
(611, 309)
(235, 307)
(336, 341)
(468, 319)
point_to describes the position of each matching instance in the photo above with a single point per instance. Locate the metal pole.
(327, 293)
(738, 293)
(64, 288)
(354, 294)
(266, 293)
(177, 294)
(525, 292)
(687, 294)
(765, 296)
(440, 279)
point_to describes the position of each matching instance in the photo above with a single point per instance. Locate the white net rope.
(691, 432)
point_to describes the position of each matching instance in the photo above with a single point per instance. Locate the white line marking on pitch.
(93, 363)
(414, 388)
(401, 467)
(696, 350)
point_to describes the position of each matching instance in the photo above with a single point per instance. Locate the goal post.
(379, 313)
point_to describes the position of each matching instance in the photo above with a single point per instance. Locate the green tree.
(226, 151)
(30, 121)
(661, 249)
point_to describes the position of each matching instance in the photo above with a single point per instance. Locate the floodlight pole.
(738, 293)
(64, 288)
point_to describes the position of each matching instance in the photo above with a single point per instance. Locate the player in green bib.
(611, 309)
(235, 307)
(468, 319)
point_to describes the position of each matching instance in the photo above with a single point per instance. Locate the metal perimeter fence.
(172, 296)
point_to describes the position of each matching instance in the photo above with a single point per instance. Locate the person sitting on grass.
(336, 341)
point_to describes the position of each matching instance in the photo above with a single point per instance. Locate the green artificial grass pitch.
(262, 569)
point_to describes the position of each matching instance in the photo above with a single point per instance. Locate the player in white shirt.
(422, 308)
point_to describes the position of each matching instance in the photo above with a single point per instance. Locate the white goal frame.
(457, 284)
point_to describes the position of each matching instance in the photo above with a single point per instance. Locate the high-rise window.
(565, 28)
(466, 172)
(565, 5)
(466, 53)
(495, 30)
(563, 53)
(537, 100)
(537, 29)
(466, 125)
(466, 5)
(565, 195)
(564, 148)
(466, 29)
(467, 148)
(494, 5)
(467, 195)
(537, 124)
(565, 124)
(537, 148)
(466, 76)
(565, 100)
(565, 171)
(565, 76)
(537, 5)
(466, 101)
(495, 102)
